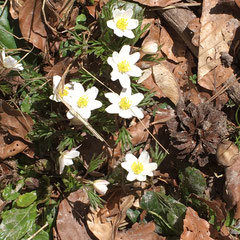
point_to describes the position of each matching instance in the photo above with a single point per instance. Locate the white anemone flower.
(10, 62)
(64, 93)
(101, 186)
(125, 104)
(138, 168)
(66, 157)
(122, 23)
(123, 65)
(83, 102)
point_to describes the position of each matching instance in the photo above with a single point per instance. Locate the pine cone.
(196, 131)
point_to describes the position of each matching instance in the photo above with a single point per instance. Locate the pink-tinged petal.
(130, 158)
(141, 177)
(117, 13)
(132, 24)
(137, 112)
(125, 114)
(144, 157)
(92, 93)
(137, 98)
(124, 80)
(111, 24)
(125, 50)
(131, 176)
(129, 34)
(118, 32)
(135, 71)
(112, 109)
(69, 115)
(128, 13)
(112, 97)
(134, 57)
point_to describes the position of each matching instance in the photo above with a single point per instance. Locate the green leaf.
(192, 181)
(133, 215)
(6, 39)
(81, 18)
(17, 222)
(9, 193)
(26, 199)
(167, 212)
(40, 236)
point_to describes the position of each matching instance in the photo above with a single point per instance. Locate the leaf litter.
(189, 55)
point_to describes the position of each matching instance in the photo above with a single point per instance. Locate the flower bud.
(101, 186)
(150, 47)
(226, 153)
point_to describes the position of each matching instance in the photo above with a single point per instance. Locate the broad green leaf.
(6, 39)
(192, 181)
(133, 215)
(17, 222)
(9, 193)
(26, 199)
(40, 236)
(167, 212)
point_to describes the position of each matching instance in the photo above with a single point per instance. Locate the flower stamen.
(63, 92)
(123, 66)
(137, 167)
(125, 103)
(83, 101)
(122, 23)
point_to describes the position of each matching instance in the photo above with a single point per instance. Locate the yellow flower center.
(123, 66)
(125, 103)
(122, 23)
(83, 101)
(64, 92)
(137, 167)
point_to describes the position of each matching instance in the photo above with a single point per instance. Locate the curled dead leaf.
(166, 82)
(195, 227)
(31, 24)
(14, 128)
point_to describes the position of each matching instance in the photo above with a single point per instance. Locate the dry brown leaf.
(166, 82)
(104, 223)
(157, 3)
(14, 128)
(71, 217)
(15, 5)
(31, 24)
(140, 231)
(217, 31)
(195, 227)
(194, 27)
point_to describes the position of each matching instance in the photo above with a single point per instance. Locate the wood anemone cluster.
(197, 130)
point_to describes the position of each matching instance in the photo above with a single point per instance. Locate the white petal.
(56, 81)
(137, 98)
(129, 34)
(141, 177)
(116, 58)
(71, 154)
(92, 93)
(116, 75)
(117, 13)
(78, 89)
(132, 24)
(111, 24)
(137, 112)
(68, 161)
(124, 80)
(125, 50)
(112, 97)
(130, 157)
(125, 113)
(110, 61)
(153, 166)
(112, 109)
(144, 157)
(131, 176)
(134, 57)
(84, 113)
(94, 104)
(128, 13)
(135, 71)
(118, 32)
(69, 115)
(3, 54)
(126, 92)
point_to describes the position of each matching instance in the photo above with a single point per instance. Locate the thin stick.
(38, 231)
